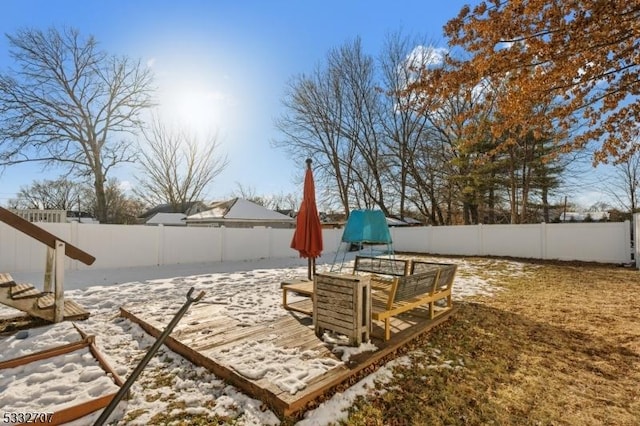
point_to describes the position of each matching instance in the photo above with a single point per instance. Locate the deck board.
(205, 334)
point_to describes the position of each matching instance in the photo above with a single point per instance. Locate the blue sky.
(223, 66)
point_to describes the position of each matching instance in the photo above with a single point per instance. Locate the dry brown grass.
(559, 346)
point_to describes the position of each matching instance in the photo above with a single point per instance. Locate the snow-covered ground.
(246, 293)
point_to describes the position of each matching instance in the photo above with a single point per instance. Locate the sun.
(198, 110)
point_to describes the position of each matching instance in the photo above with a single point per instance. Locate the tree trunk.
(101, 198)
(545, 203)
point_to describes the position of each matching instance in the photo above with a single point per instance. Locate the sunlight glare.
(196, 110)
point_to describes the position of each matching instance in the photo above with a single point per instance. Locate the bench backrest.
(381, 266)
(410, 286)
(447, 272)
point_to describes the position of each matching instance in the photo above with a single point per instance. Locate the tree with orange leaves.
(579, 59)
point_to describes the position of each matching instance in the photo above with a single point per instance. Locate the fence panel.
(525, 241)
(598, 242)
(124, 246)
(456, 240)
(189, 245)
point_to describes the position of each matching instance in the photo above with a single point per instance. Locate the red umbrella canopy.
(307, 238)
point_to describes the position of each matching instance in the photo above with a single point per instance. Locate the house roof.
(167, 208)
(167, 219)
(392, 221)
(238, 209)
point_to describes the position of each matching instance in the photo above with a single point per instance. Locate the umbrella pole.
(309, 268)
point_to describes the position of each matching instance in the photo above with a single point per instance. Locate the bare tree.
(280, 201)
(177, 167)
(248, 192)
(121, 207)
(311, 128)
(625, 185)
(401, 61)
(59, 194)
(70, 104)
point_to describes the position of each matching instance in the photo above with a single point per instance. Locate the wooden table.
(301, 287)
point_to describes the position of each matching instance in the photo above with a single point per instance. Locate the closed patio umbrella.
(307, 238)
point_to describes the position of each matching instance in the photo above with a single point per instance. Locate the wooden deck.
(204, 337)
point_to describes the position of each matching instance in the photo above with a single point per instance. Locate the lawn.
(560, 344)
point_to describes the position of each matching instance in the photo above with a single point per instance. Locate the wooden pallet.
(206, 334)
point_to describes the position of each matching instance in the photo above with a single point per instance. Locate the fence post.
(49, 269)
(481, 248)
(58, 314)
(73, 239)
(160, 245)
(636, 239)
(543, 240)
(222, 244)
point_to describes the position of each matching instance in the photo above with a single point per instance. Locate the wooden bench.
(445, 278)
(301, 287)
(382, 266)
(409, 292)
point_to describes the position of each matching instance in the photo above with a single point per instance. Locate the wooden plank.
(228, 339)
(47, 353)
(6, 280)
(295, 281)
(348, 319)
(338, 290)
(381, 265)
(337, 307)
(47, 301)
(305, 287)
(24, 291)
(258, 331)
(302, 306)
(344, 298)
(202, 338)
(43, 236)
(316, 389)
(227, 374)
(98, 356)
(293, 332)
(76, 412)
(71, 308)
(297, 338)
(199, 328)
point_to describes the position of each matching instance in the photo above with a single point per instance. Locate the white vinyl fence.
(116, 246)
(593, 241)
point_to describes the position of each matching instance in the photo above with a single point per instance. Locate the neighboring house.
(189, 209)
(240, 213)
(405, 221)
(392, 221)
(41, 215)
(411, 221)
(287, 212)
(167, 219)
(54, 216)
